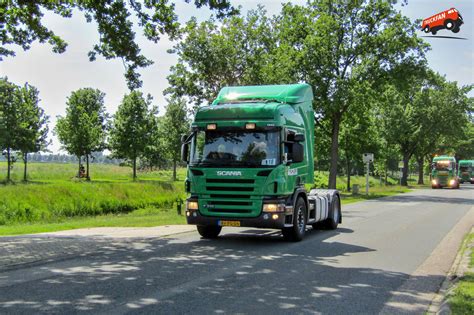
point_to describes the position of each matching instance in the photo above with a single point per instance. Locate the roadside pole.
(367, 179)
(400, 174)
(367, 158)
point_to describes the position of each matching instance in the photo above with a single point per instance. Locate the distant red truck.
(450, 19)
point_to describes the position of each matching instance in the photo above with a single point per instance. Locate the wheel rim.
(300, 219)
(449, 25)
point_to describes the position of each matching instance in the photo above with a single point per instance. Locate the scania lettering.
(250, 155)
(444, 173)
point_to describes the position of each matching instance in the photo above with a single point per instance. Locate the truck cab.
(444, 172)
(466, 171)
(249, 156)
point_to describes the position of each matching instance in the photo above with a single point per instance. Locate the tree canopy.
(84, 128)
(22, 24)
(133, 128)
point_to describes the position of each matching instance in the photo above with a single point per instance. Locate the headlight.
(434, 182)
(192, 205)
(273, 207)
(452, 182)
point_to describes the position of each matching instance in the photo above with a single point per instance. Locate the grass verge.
(139, 218)
(461, 301)
(374, 193)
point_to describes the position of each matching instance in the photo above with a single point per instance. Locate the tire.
(426, 29)
(434, 187)
(297, 231)
(209, 231)
(332, 222)
(449, 24)
(434, 32)
(455, 30)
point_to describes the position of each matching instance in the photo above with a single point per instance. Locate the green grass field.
(54, 200)
(462, 299)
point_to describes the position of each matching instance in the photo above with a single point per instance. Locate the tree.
(175, 124)
(338, 44)
(329, 44)
(84, 128)
(421, 111)
(33, 129)
(211, 56)
(132, 128)
(8, 120)
(22, 25)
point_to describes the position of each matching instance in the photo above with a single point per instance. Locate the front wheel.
(296, 232)
(209, 231)
(426, 29)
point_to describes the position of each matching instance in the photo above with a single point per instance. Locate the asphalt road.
(385, 257)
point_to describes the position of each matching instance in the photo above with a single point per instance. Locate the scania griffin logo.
(229, 173)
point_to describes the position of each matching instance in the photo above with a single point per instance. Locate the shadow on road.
(427, 198)
(245, 273)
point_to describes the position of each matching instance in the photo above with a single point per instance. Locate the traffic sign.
(368, 157)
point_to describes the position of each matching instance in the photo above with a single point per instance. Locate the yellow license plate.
(229, 223)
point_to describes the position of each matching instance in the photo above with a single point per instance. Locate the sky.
(57, 75)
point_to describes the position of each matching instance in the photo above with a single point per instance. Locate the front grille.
(230, 180)
(225, 188)
(231, 196)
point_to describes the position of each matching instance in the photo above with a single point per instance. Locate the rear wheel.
(449, 24)
(296, 232)
(209, 231)
(332, 222)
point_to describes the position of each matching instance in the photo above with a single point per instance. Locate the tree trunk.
(334, 152)
(25, 161)
(79, 167)
(420, 170)
(174, 170)
(134, 168)
(406, 159)
(348, 174)
(8, 164)
(87, 168)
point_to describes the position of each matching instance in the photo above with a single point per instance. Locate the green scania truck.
(466, 171)
(444, 172)
(249, 156)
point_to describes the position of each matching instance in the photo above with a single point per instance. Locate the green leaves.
(133, 126)
(21, 24)
(84, 128)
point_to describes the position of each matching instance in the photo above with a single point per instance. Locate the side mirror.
(298, 153)
(299, 137)
(184, 152)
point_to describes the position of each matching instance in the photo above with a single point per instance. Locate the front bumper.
(264, 220)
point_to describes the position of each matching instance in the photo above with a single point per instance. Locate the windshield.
(464, 168)
(214, 148)
(443, 165)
